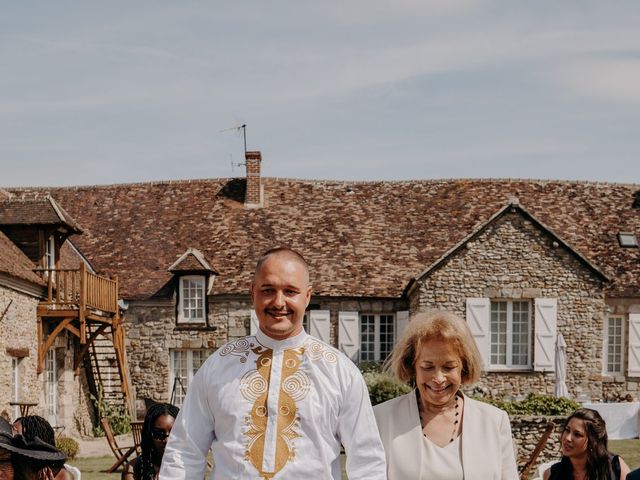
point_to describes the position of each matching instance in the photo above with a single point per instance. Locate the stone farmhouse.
(53, 308)
(521, 260)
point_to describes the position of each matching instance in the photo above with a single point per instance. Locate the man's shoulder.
(318, 350)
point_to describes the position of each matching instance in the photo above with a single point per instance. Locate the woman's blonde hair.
(430, 325)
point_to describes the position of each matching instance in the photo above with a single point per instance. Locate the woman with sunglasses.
(155, 432)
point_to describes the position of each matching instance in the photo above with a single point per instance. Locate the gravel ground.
(98, 447)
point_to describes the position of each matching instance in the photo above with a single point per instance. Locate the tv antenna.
(237, 129)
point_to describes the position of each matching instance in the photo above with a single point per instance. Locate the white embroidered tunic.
(276, 410)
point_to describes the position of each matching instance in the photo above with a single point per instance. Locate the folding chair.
(121, 453)
(524, 471)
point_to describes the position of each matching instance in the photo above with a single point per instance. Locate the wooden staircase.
(86, 305)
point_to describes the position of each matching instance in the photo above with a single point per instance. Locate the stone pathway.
(98, 447)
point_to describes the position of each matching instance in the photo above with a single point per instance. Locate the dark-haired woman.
(155, 432)
(33, 426)
(584, 451)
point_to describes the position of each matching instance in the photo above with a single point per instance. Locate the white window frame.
(182, 307)
(15, 387)
(51, 386)
(607, 343)
(190, 371)
(509, 365)
(377, 351)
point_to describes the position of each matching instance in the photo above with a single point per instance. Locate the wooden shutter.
(254, 324)
(402, 319)
(319, 325)
(349, 334)
(634, 345)
(544, 353)
(479, 321)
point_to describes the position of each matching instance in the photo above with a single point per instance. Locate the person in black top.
(584, 451)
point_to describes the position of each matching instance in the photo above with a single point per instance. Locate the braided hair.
(144, 468)
(36, 426)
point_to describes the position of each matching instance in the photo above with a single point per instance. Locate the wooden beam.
(43, 349)
(43, 311)
(73, 330)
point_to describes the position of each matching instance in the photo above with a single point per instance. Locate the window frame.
(179, 397)
(377, 333)
(605, 356)
(51, 386)
(181, 319)
(509, 366)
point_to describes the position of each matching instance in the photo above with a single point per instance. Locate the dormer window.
(627, 240)
(193, 280)
(191, 298)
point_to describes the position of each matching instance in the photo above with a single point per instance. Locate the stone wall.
(514, 259)
(527, 432)
(18, 339)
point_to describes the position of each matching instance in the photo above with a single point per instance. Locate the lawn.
(93, 468)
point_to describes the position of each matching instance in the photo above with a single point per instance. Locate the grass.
(93, 468)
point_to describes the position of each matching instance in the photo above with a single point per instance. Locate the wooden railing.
(67, 288)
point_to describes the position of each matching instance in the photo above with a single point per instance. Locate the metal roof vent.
(628, 240)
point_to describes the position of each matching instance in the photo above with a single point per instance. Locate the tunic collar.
(287, 343)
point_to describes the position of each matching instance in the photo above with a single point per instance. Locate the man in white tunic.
(277, 405)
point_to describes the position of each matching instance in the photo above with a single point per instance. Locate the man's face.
(280, 293)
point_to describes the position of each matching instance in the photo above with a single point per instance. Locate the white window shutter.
(634, 345)
(544, 352)
(479, 321)
(349, 334)
(402, 319)
(319, 325)
(254, 325)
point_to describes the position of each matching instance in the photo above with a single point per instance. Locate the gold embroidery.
(239, 348)
(317, 350)
(254, 386)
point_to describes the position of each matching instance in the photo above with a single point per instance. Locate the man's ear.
(308, 295)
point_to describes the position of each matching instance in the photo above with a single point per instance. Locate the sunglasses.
(159, 434)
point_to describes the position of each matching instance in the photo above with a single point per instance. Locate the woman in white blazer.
(436, 432)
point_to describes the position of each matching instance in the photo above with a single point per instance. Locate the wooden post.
(83, 303)
(40, 366)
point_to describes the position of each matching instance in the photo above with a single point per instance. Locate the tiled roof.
(15, 263)
(361, 239)
(35, 209)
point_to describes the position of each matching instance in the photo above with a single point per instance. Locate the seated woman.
(33, 426)
(436, 432)
(155, 432)
(585, 456)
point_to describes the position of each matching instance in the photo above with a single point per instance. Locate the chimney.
(253, 195)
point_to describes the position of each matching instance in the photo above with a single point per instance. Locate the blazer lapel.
(407, 445)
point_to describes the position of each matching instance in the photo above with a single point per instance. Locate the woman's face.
(574, 441)
(438, 372)
(160, 431)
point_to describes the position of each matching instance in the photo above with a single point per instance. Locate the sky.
(115, 92)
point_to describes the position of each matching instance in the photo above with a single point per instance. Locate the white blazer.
(487, 446)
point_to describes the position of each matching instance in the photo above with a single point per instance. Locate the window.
(191, 308)
(184, 365)
(614, 341)
(51, 386)
(15, 381)
(377, 336)
(627, 240)
(510, 334)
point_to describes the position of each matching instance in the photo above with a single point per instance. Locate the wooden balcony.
(86, 305)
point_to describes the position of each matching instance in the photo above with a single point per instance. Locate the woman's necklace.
(456, 418)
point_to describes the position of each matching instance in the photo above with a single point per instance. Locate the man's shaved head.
(283, 252)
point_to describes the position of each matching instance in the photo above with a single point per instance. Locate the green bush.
(367, 367)
(69, 446)
(383, 387)
(119, 419)
(535, 404)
